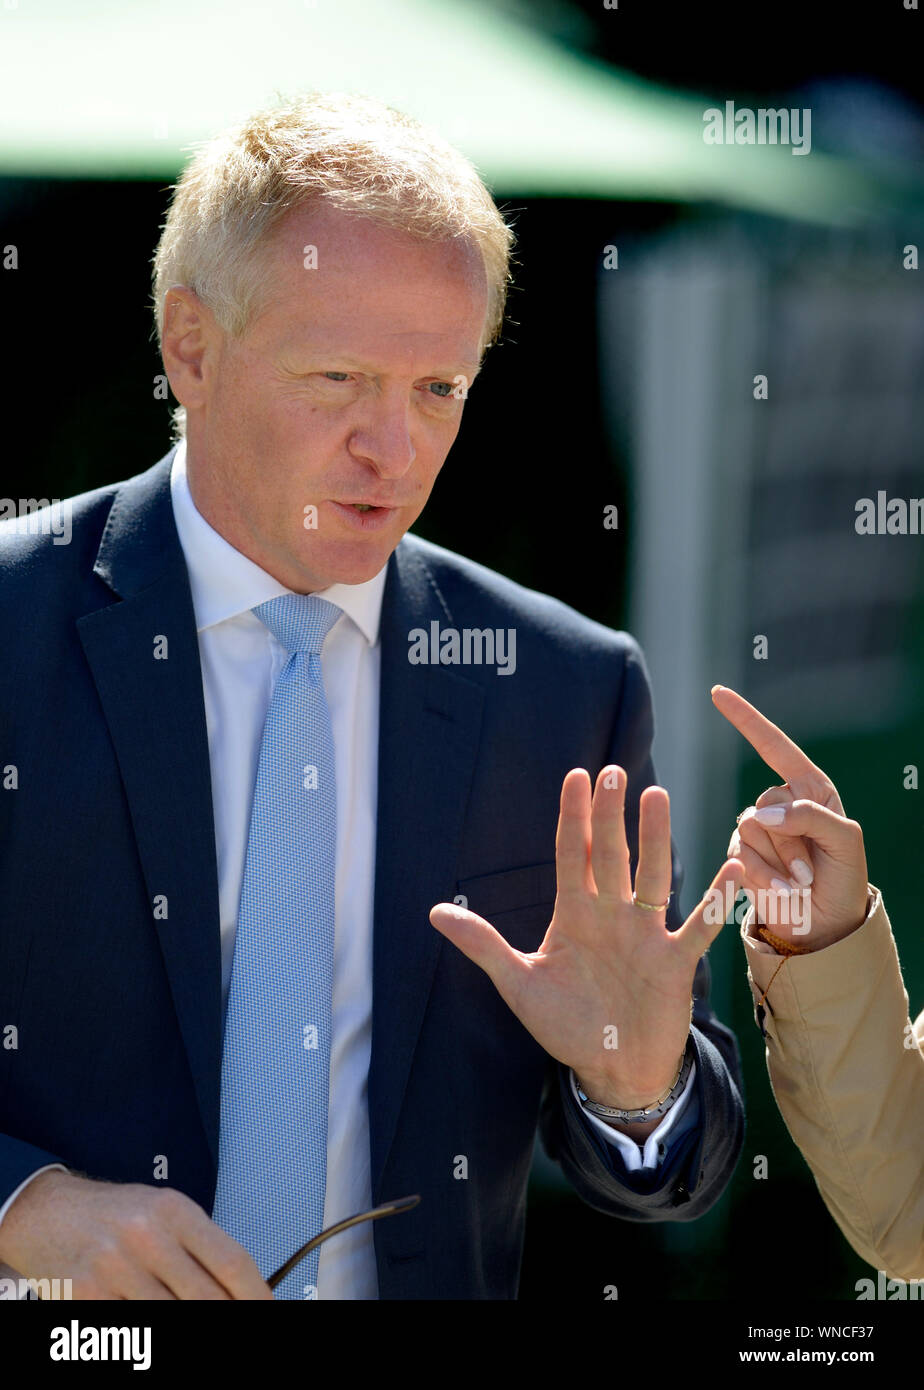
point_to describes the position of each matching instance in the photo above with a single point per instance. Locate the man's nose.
(384, 441)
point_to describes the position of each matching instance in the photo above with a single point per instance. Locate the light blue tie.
(272, 1162)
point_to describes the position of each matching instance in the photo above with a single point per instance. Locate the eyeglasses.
(386, 1209)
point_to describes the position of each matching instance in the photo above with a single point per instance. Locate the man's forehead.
(339, 242)
(340, 284)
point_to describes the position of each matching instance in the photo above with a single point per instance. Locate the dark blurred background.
(629, 386)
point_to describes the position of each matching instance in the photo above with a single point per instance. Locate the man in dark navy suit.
(507, 949)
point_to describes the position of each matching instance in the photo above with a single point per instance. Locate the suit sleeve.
(698, 1165)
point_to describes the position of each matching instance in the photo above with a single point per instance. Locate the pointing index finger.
(777, 751)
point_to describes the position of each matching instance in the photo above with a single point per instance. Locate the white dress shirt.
(241, 662)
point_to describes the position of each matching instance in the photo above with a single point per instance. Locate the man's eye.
(441, 388)
(337, 376)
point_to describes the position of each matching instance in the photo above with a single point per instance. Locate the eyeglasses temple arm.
(386, 1209)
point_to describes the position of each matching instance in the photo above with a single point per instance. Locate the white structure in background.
(742, 511)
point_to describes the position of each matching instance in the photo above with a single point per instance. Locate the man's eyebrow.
(468, 369)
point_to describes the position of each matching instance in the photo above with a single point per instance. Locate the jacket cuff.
(797, 985)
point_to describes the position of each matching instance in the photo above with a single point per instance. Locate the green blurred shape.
(115, 90)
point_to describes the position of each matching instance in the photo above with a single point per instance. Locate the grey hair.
(355, 153)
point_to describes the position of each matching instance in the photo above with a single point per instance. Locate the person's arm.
(846, 1064)
(667, 1161)
(847, 1070)
(643, 1147)
(702, 1151)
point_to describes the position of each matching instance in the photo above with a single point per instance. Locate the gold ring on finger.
(651, 907)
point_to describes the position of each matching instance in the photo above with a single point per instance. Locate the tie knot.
(299, 621)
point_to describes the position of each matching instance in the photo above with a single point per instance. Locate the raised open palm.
(609, 991)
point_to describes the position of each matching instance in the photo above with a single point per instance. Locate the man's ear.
(190, 338)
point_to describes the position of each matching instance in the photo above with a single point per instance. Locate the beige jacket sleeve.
(847, 1070)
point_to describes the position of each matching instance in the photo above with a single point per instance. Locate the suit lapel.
(429, 726)
(154, 708)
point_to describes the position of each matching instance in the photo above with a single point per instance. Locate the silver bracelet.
(659, 1107)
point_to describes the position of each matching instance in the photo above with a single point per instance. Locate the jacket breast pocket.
(517, 902)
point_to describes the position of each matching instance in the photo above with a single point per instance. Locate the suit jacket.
(118, 1011)
(847, 1070)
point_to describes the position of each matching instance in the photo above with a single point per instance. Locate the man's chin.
(348, 564)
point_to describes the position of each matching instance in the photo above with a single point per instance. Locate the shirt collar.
(225, 583)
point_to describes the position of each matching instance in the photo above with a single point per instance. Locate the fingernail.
(802, 872)
(770, 815)
(782, 887)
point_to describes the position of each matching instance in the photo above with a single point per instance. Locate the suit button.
(681, 1194)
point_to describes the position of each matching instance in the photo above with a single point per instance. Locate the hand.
(124, 1240)
(604, 963)
(813, 831)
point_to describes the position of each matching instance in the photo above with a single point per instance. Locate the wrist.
(859, 918)
(785, 943)
(621, 1097)
(637, 1130)
(20, 1216)
(634, 1106)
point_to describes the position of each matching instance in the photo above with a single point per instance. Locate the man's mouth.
(365, 516)
(367, 506)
